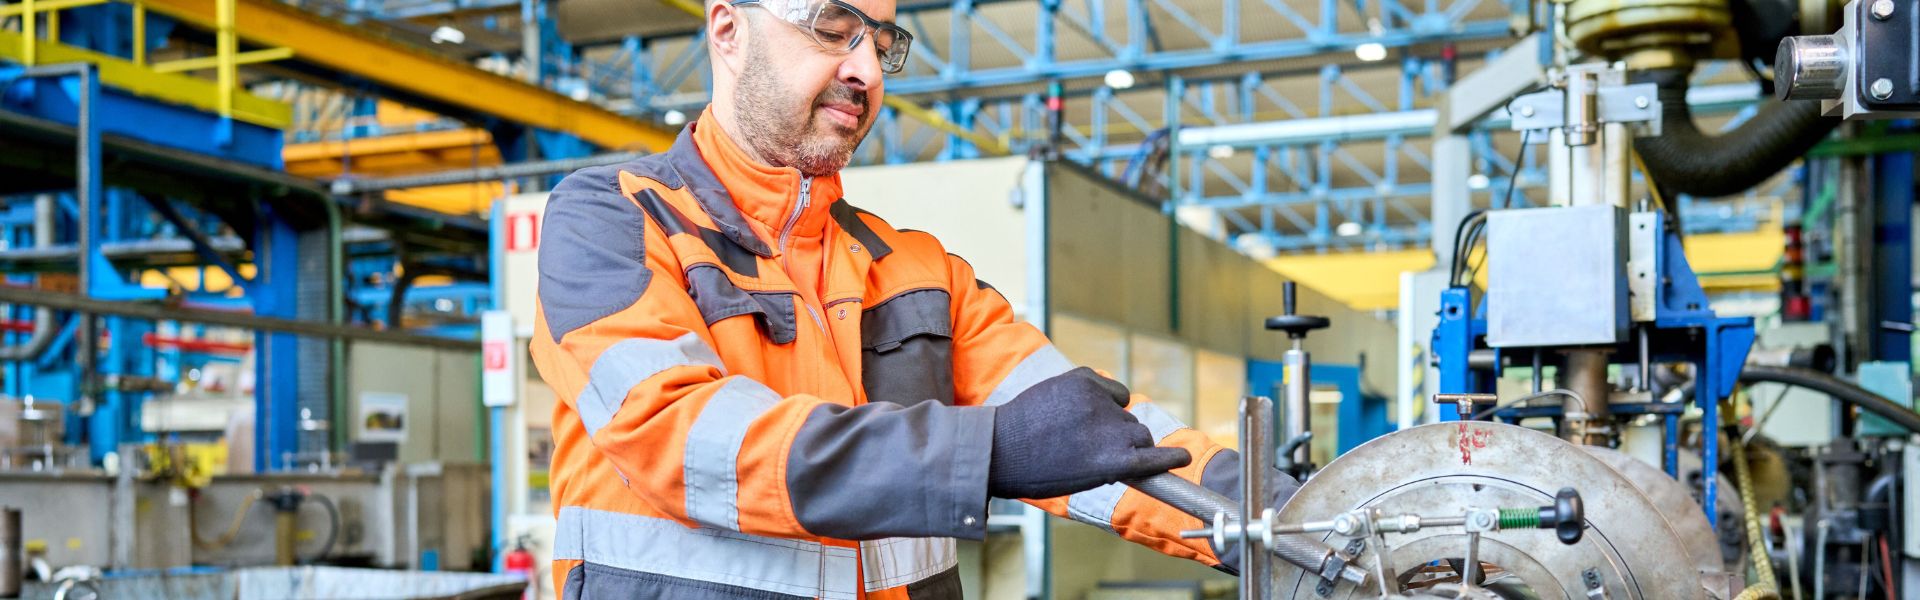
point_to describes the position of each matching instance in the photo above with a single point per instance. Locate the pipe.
(1836, 388)
(1585, 372)
(43, 325)
(1682, 159)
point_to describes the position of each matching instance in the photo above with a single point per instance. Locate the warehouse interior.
(1538, 298)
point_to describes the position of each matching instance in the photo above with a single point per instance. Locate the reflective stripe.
(627, 363)
(1095, 506)
(1044, 363)
(713, 450)
(894, 562)
(1156, 420)
(664, 547)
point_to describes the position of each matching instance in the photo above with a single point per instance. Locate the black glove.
(1071, 433)
(1222, 475)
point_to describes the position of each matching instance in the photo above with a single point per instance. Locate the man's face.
(800, 105)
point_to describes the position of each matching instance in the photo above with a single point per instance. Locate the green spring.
(1519, 518)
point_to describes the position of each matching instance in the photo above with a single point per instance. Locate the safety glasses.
(839, 27)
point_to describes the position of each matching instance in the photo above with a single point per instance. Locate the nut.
(1882, 9)
(1882, 87)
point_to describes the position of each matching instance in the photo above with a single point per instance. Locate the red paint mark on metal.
(1470, 440)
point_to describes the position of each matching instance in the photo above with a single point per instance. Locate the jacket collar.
(749, 201)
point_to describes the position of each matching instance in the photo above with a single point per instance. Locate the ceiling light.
(674, 118)
(446, 34)
(1220, 152)
(1348, 229)
(1477, 181)
(1119, 79)
(1370, 51)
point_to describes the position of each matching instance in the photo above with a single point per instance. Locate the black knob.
(1296, 326)
(1567, 516)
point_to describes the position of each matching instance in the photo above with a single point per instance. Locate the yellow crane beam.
(336, 46)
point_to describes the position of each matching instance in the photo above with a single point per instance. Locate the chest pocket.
(718, 298)
(907, 348)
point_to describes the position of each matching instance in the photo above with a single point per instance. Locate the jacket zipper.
(799, 206)
(786, 234)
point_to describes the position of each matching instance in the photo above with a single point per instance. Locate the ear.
(726, 34)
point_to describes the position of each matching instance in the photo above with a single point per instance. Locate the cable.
(1836, 388)
(1553, 392)
(1513, 181)
(1768, 585)
(333, 529)
(233, 530)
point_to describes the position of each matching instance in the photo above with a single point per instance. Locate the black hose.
(333, 528)
(1837, 388)
(1683, 159)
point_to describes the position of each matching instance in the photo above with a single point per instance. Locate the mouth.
(845, 115)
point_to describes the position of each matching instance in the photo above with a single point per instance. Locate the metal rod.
(156, 312)
(1191, 498)
(1256, 430)
(1646, 363)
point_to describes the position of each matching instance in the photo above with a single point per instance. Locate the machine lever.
(1196, 500)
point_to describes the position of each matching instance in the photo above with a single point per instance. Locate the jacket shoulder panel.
(593, 254)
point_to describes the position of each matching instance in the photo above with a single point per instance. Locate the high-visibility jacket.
(726, 432)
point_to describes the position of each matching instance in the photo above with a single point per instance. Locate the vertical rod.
(1536, 370)
(1646, 362)
(28, 25)
(228, 75)
(1256, 449)
(1297, 412)
(53, 26)
(139, 33)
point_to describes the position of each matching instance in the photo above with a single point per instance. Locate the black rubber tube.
(1837, 388)
(1685, 160)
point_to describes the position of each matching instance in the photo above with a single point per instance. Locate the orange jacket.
(724, 431)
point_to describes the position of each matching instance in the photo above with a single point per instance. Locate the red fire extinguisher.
(520, 561)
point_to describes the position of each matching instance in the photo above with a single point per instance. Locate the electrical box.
(1557, 276)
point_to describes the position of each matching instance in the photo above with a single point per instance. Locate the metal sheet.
(1555, 277)
(1445, 467)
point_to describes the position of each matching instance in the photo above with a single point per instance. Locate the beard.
(816, 147)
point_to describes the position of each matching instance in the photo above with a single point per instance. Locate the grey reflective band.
(1095, 506)
(664, 547)
(713, 450)
(894, 562)
(1156, 420)
(1043, 364)
(627, 363)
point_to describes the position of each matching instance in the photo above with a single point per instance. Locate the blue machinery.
(1683, 329)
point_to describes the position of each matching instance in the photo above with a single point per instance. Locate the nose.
(861, 70)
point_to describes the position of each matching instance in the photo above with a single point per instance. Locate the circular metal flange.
(1446, 468)
(1675, 502)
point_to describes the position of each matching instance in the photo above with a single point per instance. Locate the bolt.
(1641, 102)
(1882, 88)
(1526, 110)
(1882, 9)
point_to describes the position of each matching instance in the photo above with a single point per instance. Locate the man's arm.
(628, 353)
(997, 357)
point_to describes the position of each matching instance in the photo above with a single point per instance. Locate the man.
(768, 393)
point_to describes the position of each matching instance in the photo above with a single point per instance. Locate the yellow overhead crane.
(339, 47)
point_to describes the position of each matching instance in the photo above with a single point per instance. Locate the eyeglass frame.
(870, 25)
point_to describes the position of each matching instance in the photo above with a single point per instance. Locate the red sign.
(494, 353)
(523, 232)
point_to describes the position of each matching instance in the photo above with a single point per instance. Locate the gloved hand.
(1222, 475)
(1071, 433)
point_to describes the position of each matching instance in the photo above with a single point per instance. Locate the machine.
(1636, 441)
